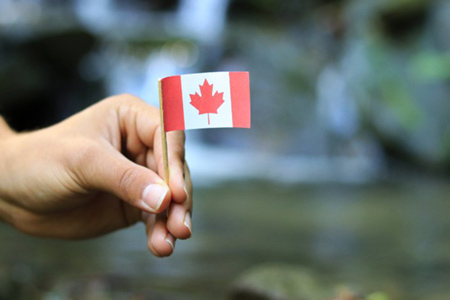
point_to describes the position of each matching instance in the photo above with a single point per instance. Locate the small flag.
(206, 100)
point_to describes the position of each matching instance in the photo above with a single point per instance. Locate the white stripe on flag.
(191, 84)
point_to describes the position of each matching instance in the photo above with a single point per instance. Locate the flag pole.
(163, 136)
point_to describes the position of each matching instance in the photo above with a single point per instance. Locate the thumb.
(112, 172)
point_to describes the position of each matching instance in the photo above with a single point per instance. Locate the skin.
(98, 171)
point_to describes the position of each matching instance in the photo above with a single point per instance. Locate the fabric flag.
(206, 100)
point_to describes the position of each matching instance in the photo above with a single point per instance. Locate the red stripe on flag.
(240, 99)
(172, 103)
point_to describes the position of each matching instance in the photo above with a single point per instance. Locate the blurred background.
(340, 189)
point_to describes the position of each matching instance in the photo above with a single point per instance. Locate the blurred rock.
(40, 79)
(290, 282)
(278, 282)
(402, 18)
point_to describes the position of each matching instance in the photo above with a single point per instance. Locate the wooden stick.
(163, 137)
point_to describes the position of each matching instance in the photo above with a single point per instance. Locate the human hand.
(98, 171)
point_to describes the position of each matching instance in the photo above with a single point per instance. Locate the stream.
(387, 237)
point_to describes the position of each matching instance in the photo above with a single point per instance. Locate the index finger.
(176, 152)
(143, 130)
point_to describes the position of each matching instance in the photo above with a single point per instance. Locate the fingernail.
(188, 222)
(154, 195)
(170, 240)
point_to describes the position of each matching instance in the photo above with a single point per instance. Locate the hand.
(98, 171)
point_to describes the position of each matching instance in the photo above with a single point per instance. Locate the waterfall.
(203, 20)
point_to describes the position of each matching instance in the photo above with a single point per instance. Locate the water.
(392, 238)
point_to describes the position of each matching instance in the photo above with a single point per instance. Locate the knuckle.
(129, 97)
(127, 177)
(84, 154)
(178, 150)
(120, 99)
(81, 164)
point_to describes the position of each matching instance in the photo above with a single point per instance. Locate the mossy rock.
(278, 282)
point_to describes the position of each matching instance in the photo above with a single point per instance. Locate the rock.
(278, 282)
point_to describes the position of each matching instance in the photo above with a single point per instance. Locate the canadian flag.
(206, 100)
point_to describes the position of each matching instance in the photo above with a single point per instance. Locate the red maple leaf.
(207, 103)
